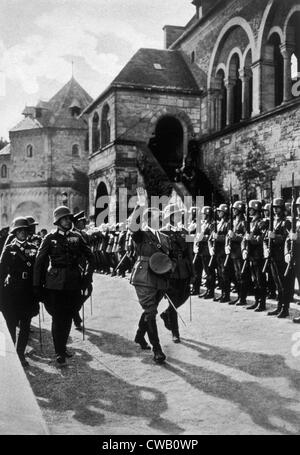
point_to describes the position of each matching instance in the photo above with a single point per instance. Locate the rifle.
(271, 229)
(292, 254)
(213, 248)
(228, 240)
(247, 232)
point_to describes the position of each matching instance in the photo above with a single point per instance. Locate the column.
(286, 52)
(245, 75)
(257, 89)
(229, 84)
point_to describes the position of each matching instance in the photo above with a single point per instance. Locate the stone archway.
(167, 144)
(28, 208)
(101, 192)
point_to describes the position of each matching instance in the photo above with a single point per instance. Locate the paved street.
(233, 373)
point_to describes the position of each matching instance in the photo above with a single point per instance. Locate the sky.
(39, 39)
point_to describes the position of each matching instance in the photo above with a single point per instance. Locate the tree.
(255, 170)
(3, 143)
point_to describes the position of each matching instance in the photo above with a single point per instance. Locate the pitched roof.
(56, 112)
(5, 150)
(157, 68)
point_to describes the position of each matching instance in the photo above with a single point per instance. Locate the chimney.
(198, 4)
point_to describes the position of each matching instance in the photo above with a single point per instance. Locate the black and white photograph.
(149, 220)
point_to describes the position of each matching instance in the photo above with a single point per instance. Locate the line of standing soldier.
(58, 273)
(252, 251)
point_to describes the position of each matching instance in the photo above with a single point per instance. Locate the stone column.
(245, 75)
(256, 88)
(229, 84)
(286, 52)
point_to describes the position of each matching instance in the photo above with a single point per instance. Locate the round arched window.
(4, 171)
(29, 151)
(75, 150)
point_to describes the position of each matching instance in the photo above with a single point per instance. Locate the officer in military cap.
(150, 286)
(219, 247)
(278, 236)
(59, 279)
(181, 253)
(235, 237)
(16, 284)
(80, 221)
(202, 238)
(252, 248)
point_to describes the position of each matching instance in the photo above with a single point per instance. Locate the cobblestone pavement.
(235, 372)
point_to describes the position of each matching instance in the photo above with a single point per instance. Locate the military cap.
(61, 212)
(19, 223)
(278, 202)
(239, 205)
(31, 221)
(79, 216)
(255, 205)
(160, 263)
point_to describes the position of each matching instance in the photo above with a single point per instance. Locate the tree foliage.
(3, 143)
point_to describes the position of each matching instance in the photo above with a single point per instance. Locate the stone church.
(46, 162)
(218, 102)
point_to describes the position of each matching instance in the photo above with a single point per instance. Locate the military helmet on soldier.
(278, 202)
(240, 206)
(223, 208)
(298, 201)
(31, 221)
(267, 207)
(61, 212)
(206, 210)
(19, 223)
(255, 205)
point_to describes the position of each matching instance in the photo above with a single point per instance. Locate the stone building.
(46, 162)
(222, 91)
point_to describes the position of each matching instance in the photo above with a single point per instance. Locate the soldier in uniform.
(271, 287)
(59, 278)
(235, 236)
(150, 287)
(181, 254)
(219, 246)
(277, 262)
(252, 247)
(296, 266)
(16, 284)
(203, 251)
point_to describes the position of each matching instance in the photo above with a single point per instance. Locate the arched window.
(29, 151)
(221, 111)
(95, 133)
(193, 57)
(294, 67)
(105, 126)
(4, 171)
(75, 150)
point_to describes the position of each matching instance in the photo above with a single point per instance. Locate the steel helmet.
(278, 202)
(267, 207)
(298, 201)
(61, 212)
(31, 221)
(206, 210)
(19, 223)
(239, 205)
(223, 208)
(255, 205)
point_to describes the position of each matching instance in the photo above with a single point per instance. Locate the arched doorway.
(167, 144)
(99, 207)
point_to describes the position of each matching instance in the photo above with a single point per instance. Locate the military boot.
(277, 311)
(140, 334)
(159, 356)
(165, 316)
(284, 313)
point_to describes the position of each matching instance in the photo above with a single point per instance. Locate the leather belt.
(143, 258)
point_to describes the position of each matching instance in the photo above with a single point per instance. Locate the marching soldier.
(235, 236)
(277, 263)
(219, 251)
(58, 278)
(16, 283)
(150, 286)
(203, 251)
(180, 279)
(252, 248)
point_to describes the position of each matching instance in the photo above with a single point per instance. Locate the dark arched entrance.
(167, 144)
(99, 208)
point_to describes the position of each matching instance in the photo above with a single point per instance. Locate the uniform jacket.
(146, 243)
(239, 230)
(16, 276)
(255, 245)
(281, 230)
(206, 230)
(58, 262)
